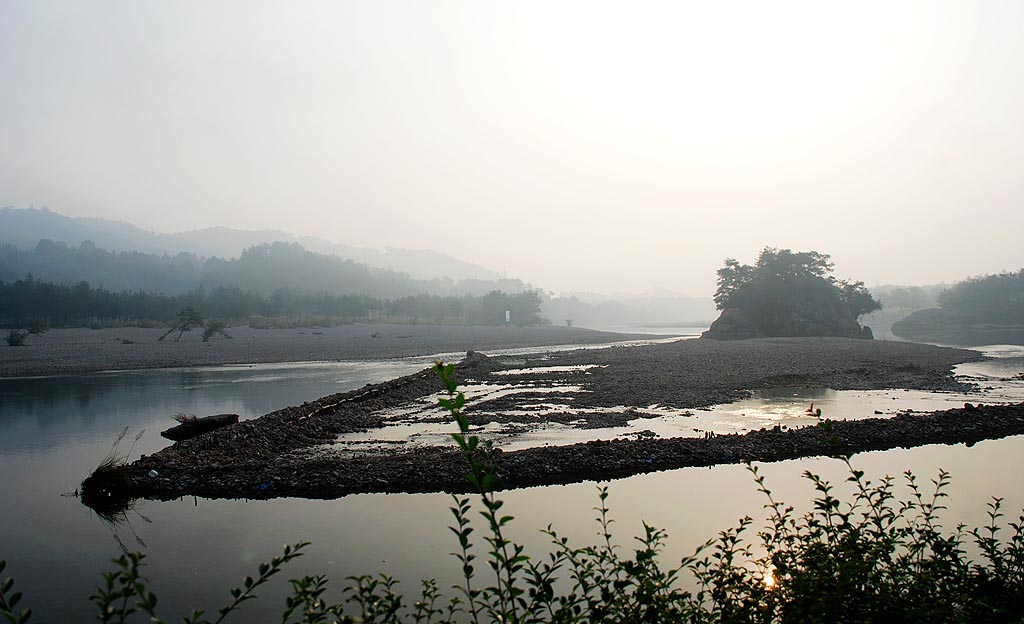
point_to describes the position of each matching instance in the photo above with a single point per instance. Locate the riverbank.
(70, 351)
(293, 452)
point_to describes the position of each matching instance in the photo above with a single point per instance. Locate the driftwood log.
(192, 428)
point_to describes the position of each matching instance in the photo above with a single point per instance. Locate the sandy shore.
(276, 455)
(67, 351)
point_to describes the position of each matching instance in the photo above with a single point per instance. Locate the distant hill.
(24, 228)
(977, 311)
(262, 268)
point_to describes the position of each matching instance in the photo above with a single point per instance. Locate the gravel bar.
(269, 457)
(71, 351)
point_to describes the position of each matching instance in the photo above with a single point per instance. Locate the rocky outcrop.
(739, 324)
(942, 327)
(193, 427)
(733, 324)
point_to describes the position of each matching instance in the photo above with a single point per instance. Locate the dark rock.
(732, 324)
(192, 428)
(474, 358)
(740, 324)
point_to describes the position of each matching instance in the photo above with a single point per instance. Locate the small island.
(787, 293)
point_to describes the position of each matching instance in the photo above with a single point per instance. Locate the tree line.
(30, 301)
(994, 298)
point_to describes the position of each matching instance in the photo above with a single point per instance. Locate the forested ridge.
(976, 311)
(59, 285)
(995, 298)
(262, 268)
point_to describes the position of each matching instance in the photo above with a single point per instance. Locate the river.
(54, 430)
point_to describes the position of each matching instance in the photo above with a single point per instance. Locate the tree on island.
(788, 293)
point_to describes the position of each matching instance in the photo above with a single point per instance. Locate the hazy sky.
(578, 145)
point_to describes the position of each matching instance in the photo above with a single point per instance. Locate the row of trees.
(28, 301)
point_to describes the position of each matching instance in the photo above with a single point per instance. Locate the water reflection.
(43, 413)
(53, 431)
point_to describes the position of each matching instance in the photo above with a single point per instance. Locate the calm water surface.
(54, 430)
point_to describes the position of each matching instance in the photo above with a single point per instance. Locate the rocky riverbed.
(296, 451)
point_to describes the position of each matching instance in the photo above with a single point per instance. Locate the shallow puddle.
(541, 370)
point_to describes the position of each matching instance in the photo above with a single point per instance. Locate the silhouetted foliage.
(16, 337)
(790, 293)
(213, 328)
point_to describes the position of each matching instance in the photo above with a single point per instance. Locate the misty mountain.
(24, 228)
(262, 269)
(116, 271)
(268, 267)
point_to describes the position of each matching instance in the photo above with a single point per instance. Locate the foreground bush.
(871, 558)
